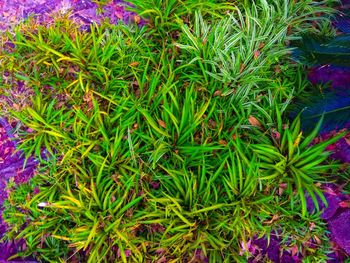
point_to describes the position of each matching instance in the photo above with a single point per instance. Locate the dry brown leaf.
(118, 15)
(274, 218)
(162, 260)
(254, 121)
(345, 204)
(294, 250)
(278, 69)
(162, 124)
(217, 93)
(241, 68)
(223, 142)
(281, 188)
(312, 226)
(256, 54)
(134, 64)
(16, 106)
(212, 124)
(318, 241)
(347, 140)
(137, 19)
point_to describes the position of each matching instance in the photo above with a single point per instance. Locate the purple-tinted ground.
(339, 79)
(338, 76)
(336, 214)
(11, 168)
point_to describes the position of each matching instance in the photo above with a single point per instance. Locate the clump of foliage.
(155, 146)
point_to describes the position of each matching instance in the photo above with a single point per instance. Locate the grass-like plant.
(163, 16)
(155, 146)
(294, 161)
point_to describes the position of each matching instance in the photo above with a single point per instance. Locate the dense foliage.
(168, 141)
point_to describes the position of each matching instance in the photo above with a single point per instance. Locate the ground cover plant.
(168, 142)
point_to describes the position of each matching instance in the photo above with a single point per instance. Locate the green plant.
(154, 145)
(163, 16)
(292, 159)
